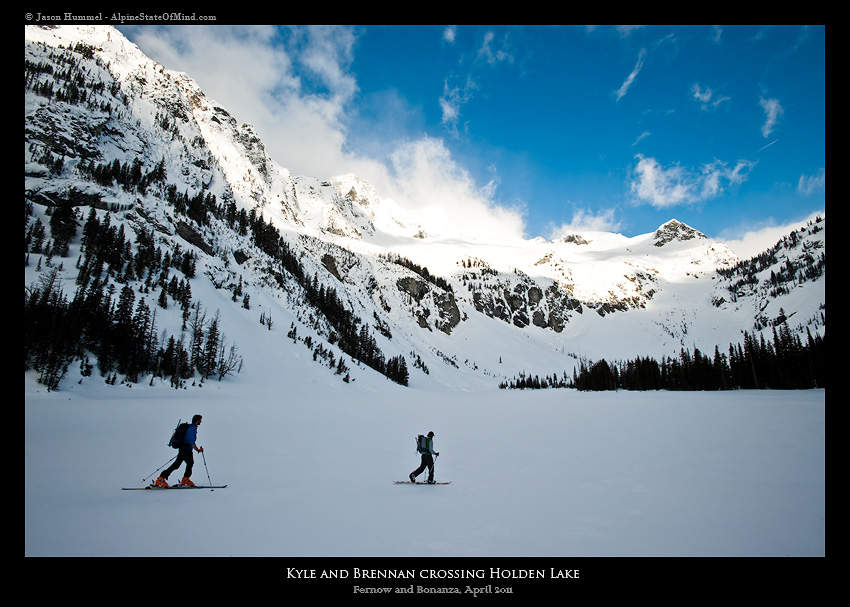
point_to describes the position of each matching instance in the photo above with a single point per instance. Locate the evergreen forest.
(784, 363)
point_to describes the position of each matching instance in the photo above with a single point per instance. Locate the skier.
(184, 454)
(428, 454)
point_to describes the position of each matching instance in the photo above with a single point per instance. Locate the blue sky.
(534, 130)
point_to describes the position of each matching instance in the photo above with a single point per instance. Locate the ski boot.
(160, 482)
(412, 478)
(186, 482)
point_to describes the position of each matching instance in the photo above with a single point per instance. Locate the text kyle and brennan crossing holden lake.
(433, 574)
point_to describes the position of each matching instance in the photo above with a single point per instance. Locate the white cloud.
(673, 186)
(452, 100)
(450, 33)
(493, 55)
(718, 34)
(772, 111)
(492, 52)
(626, 30)
(295, 87)
(428, 179)
(585, 220)
(809, 184)
(624, 88)
(328, 52)
(708, 100)
(642, 136)
(292, 88)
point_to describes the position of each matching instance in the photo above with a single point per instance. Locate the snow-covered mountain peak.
(356, 190)
(675, 230)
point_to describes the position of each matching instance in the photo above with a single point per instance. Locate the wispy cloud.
(494, 51)
(718, 34)
(772, 111)
(663, 187)
(809, 184)
(295, 92)
(585, 220)
(642, 136)
(707, 98)
(626, 30)
(451, 101)
(459, 89)
(449, 34)
(624, 88)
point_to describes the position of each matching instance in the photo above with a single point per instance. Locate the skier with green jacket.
(426, 449)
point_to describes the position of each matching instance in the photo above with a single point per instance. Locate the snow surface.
(309, 463)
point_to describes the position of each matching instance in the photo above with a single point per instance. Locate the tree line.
(68, 79)
(110, 324)
(348, 331)
(785, 272)
(422, 271)
(121, 335)
(351, 334)
(785, 362)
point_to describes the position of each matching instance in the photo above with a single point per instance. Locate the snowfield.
(309, 466)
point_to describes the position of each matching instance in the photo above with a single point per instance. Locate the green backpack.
(422, 444)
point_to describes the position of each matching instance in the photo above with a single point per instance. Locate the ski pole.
(207, 469)
(158, 469)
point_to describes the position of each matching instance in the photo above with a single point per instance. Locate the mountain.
(173, 224)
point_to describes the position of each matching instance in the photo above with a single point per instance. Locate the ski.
(154, 487)
(420, 483)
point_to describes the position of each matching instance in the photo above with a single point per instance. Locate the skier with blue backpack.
(183, 440)
(425, 447)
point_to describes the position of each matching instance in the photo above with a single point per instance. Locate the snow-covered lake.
(309, 469)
